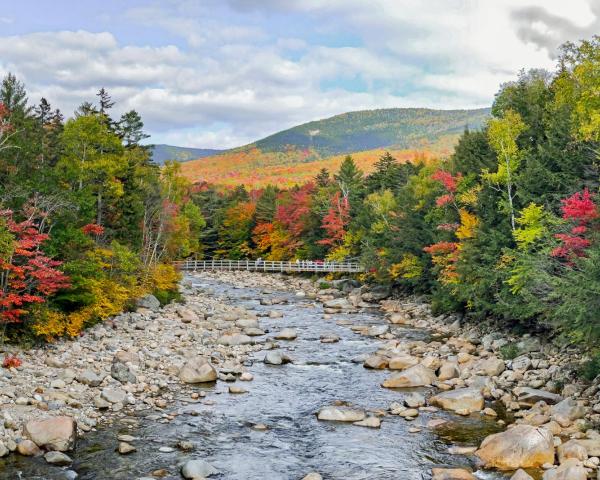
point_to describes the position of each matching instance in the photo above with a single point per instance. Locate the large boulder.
(451, 474)
(197, 470)
(567, 411)
(522, 446)
(417, 376)
(276, 357)
(530, 396)
(376, 362)
(461, 400)
(490, 366)
(571, 469)
(55, 433)
(197, 370)
(340, 414)
(148, 301)
(286, 334)
(121, 372)
(403, 361)
(521, 475)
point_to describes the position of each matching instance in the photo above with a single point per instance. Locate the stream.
(285, 398)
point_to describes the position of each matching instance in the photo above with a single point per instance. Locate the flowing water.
(285, 398)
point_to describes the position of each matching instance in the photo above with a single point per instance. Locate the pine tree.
(14, 96)
(323, 179)
(130, 128)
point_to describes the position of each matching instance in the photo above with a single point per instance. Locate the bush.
(590, 369)
(509, 351)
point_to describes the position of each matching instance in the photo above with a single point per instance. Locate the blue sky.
(221, 73)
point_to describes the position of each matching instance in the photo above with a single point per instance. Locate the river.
(285, 398)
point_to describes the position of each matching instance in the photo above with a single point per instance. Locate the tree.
(13, 95)
(349, 177)
(388, 175)
(323, 179)
(502, 134)
(105, 101)
(130, 128)
(27, 275)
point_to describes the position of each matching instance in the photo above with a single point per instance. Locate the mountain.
(296, 154)
(161, 153)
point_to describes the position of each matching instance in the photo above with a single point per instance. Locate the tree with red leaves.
(27, 275)
(336, 220)
(579, 207)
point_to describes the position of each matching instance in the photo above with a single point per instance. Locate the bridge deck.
(269, 266)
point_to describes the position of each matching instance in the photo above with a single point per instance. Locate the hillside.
(294, 155)
(161, 153)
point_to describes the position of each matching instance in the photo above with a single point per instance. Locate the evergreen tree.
(130, 128)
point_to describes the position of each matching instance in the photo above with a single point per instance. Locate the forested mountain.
(297, 154)
(161, 153)
(392, 128)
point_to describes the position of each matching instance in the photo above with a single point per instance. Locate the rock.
(121, 372)
(246, 377)
(114, 395)
(530, 396)
(402, 362)
(234, 389)
(340, 414)
(28, 448)
(566, 411)
(414, 400)
(148, 301)
(58, 458)
(4, 451)
(570, 470)
(275, 314)
(197, 370)
(234, 339)
(521, 364)
(55, 433)
(522, 446)
(89, 377)
(490, 366)
(417, 376)
(125, 448)
(463, 400)
(377, 330)
(448, 371)
(451, 474)
(197, 469)
(370, 422)
(312, 476)
(187, 315)
(286, 334)
(376, 362)
(275, 357)
(338, 304)
(572, 449)
(100, 403)
(521, 475)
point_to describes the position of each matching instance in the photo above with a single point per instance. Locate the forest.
(506, 228)
(88, 223)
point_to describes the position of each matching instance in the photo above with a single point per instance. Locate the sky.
(223, 73)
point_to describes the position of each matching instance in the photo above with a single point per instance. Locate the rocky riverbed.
(266, 376)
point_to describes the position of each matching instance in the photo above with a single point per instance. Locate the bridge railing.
(269, 266)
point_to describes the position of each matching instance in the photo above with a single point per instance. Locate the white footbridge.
(270, 266)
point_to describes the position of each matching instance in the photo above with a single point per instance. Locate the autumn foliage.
(27, 275)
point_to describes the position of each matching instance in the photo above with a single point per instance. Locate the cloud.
(222, 73)
(541, 27)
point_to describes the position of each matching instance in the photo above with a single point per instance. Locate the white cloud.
(234, 77)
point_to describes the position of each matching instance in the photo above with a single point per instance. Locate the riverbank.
(436, 374)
